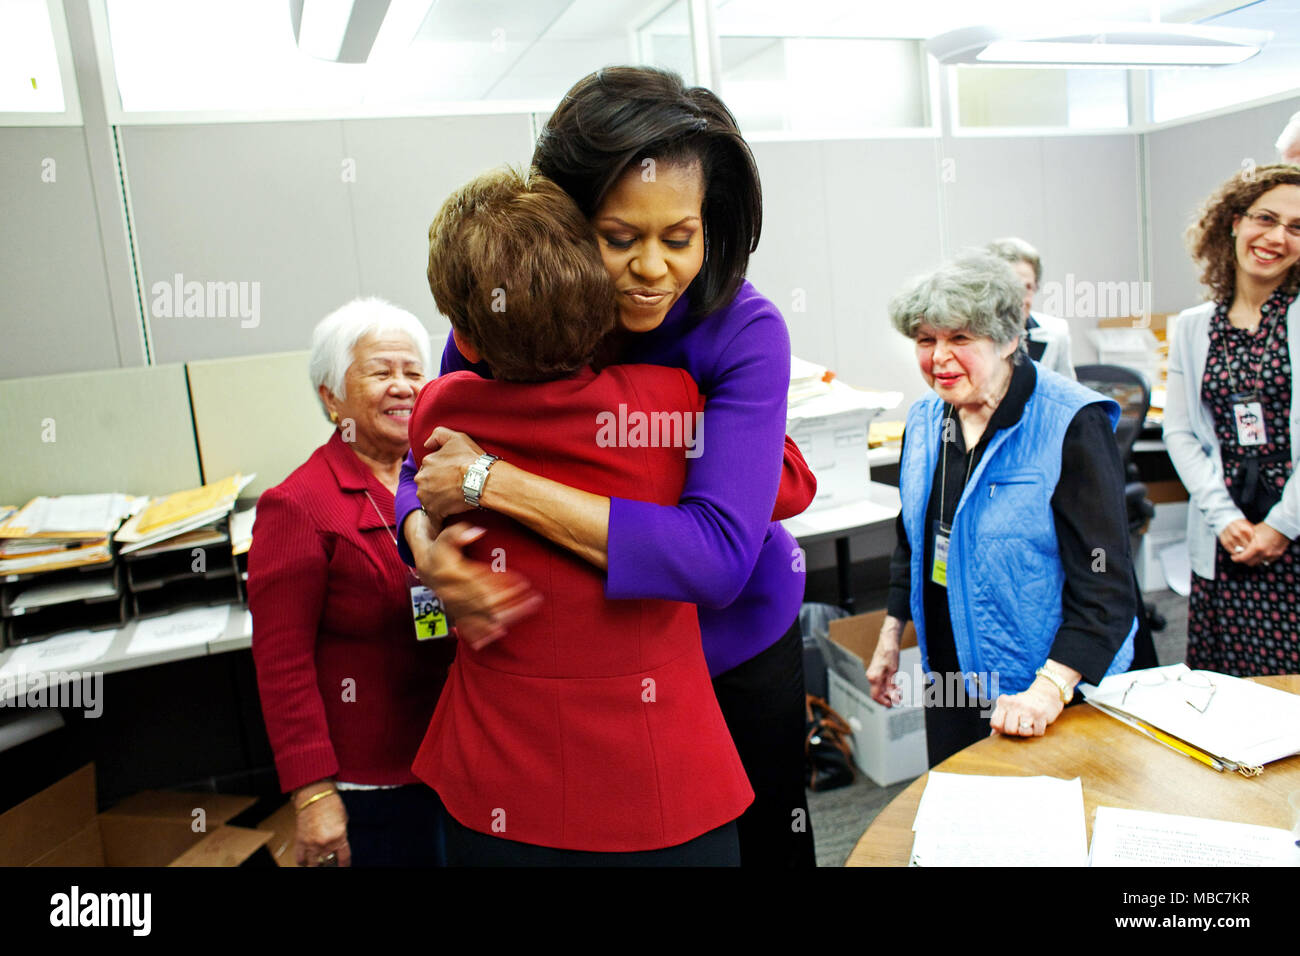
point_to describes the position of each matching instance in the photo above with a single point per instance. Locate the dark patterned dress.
(1247, 620)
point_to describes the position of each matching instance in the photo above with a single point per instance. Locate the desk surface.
(1118, 767)
(877, 510)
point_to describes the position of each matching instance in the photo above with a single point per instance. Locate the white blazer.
(1194, 448)
(1055, 333)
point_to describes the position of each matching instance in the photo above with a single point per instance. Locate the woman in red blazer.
(590, 733)
(347, 690)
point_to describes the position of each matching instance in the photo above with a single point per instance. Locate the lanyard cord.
(943, 469)
(389, 530)
(1280, 314)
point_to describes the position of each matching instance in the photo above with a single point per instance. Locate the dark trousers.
(399, 826)
(466, 847)
(762, 701)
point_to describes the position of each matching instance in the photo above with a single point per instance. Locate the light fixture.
(1119, 44)
(338, 30)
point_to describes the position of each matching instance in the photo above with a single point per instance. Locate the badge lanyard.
(1248, 405)
(426, 608)
(939, 572)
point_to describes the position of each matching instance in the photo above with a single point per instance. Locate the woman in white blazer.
(1232, 426)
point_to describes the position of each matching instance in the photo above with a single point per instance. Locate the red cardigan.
(592, 725)
(331, 603)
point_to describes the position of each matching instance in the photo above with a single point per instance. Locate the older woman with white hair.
(343, 634)
(1012, 557)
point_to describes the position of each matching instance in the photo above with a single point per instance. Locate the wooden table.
(1118, 767)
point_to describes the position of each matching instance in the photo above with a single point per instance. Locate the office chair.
(1130, 389)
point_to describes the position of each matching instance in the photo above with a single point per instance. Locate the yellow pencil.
(1178, 745)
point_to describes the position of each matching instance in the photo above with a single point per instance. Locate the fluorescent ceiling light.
(1118, 44)
(338, 30)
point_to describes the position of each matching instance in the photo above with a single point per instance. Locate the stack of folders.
(57, 570)
(1223, 722)
(178, 549)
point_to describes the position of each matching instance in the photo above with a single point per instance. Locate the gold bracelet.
(314, 797)
(1066, 693)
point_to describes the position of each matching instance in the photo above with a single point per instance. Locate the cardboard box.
(59, 827)
(888, 742)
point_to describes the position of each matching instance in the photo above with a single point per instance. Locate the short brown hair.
(514, 265)
(1210, 238)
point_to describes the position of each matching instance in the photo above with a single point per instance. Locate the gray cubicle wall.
(255, 415)
(308, 214)
(55, 314)
(1186, 163)
(848, 222)
(125, 430)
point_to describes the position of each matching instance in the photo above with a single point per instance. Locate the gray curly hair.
(976, 292)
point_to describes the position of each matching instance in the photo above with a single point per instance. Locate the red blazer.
(592, 725)
(331, 603)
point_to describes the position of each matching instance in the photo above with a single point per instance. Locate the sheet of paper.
(81, 512)
(1141, 838)
(241, 529)
(43, 595)
(1177, 565)
(182, 629)
(64, 652)
(1243, 721)
(969, 820)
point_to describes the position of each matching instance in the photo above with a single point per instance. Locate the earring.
(334, 417)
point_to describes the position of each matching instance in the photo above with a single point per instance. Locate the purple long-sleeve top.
(718, 547)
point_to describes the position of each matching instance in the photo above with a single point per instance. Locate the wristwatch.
(475, 478)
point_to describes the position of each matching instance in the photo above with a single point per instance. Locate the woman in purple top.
(673, 193)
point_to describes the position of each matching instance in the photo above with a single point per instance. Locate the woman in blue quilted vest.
(1013, 558)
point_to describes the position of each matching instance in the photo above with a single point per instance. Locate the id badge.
(939, 573)
(1248, 414)
(430, 618)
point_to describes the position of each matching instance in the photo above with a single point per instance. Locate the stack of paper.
(807, 380)
(168, 517)
(1135, 348)
(1217, 719)
(970, 820)
(69, 531)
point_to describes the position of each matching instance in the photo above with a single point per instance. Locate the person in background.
(1047, 338)
(1288, 142)
(672, 191)
(1013, 554)
(1232, 426)
(347, 688)
(589, 735)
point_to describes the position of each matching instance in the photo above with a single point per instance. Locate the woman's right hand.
(884, 663)
(322, 827)
(480, 601)
(1237, 536)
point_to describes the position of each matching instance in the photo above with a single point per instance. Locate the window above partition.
(37, 83)
(242, 57)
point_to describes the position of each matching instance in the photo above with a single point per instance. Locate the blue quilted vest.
(1004, 569)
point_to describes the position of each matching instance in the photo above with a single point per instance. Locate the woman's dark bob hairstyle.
(612, 120)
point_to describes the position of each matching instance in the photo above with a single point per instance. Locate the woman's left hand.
(442, 473)
(1267, 544)
(1028, 713)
